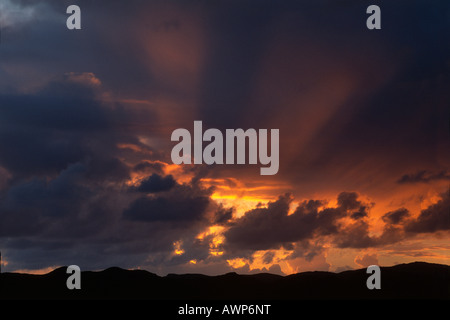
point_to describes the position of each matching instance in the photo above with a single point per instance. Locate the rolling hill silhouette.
(418, 280)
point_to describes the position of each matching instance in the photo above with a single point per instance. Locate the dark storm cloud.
(46, 131)
(62, 196)
(183, 204)
(223, 215)
(396, 217)
(435, 218)
(424, 176)
(273, 227)
(399, 225)
(262, 228)
(59, 150)
(155, 183)
(147, 165)
(43, 46)
(106, 167)
(354, 235)
(64, 207)
(61, 104)
(349, 201)
(74, 219)
(59, 142)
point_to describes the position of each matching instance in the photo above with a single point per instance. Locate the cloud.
(85, 78)
(399, 226)
(396, 217)
(63, 175)
(106, 168)
(155, 183)
(223, 215)
(434, 218)
(145, 165)
(424, 176)
(64, 207)
(46, 131)
(348, 200)
(183, 204)
(316, 263)
(354, 235)
(268, 257)
(14, 14)
(367, 260)
(274, 269)
(273, 227)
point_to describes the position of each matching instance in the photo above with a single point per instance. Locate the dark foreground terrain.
(417, 280)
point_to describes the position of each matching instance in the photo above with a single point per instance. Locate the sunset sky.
(86, 118)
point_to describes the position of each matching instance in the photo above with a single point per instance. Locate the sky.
(86, 117)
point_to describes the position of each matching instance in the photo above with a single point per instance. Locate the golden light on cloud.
(262, 260)
(241, 204)
(243, 195)
(212, 230)
(236, 263)
(178, 172)
(216, 239)
(135, 179)
(432, 198)
(177, 248)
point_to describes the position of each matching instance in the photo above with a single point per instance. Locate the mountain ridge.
(416, 280)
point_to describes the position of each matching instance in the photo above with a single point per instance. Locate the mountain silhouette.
(417, 280)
